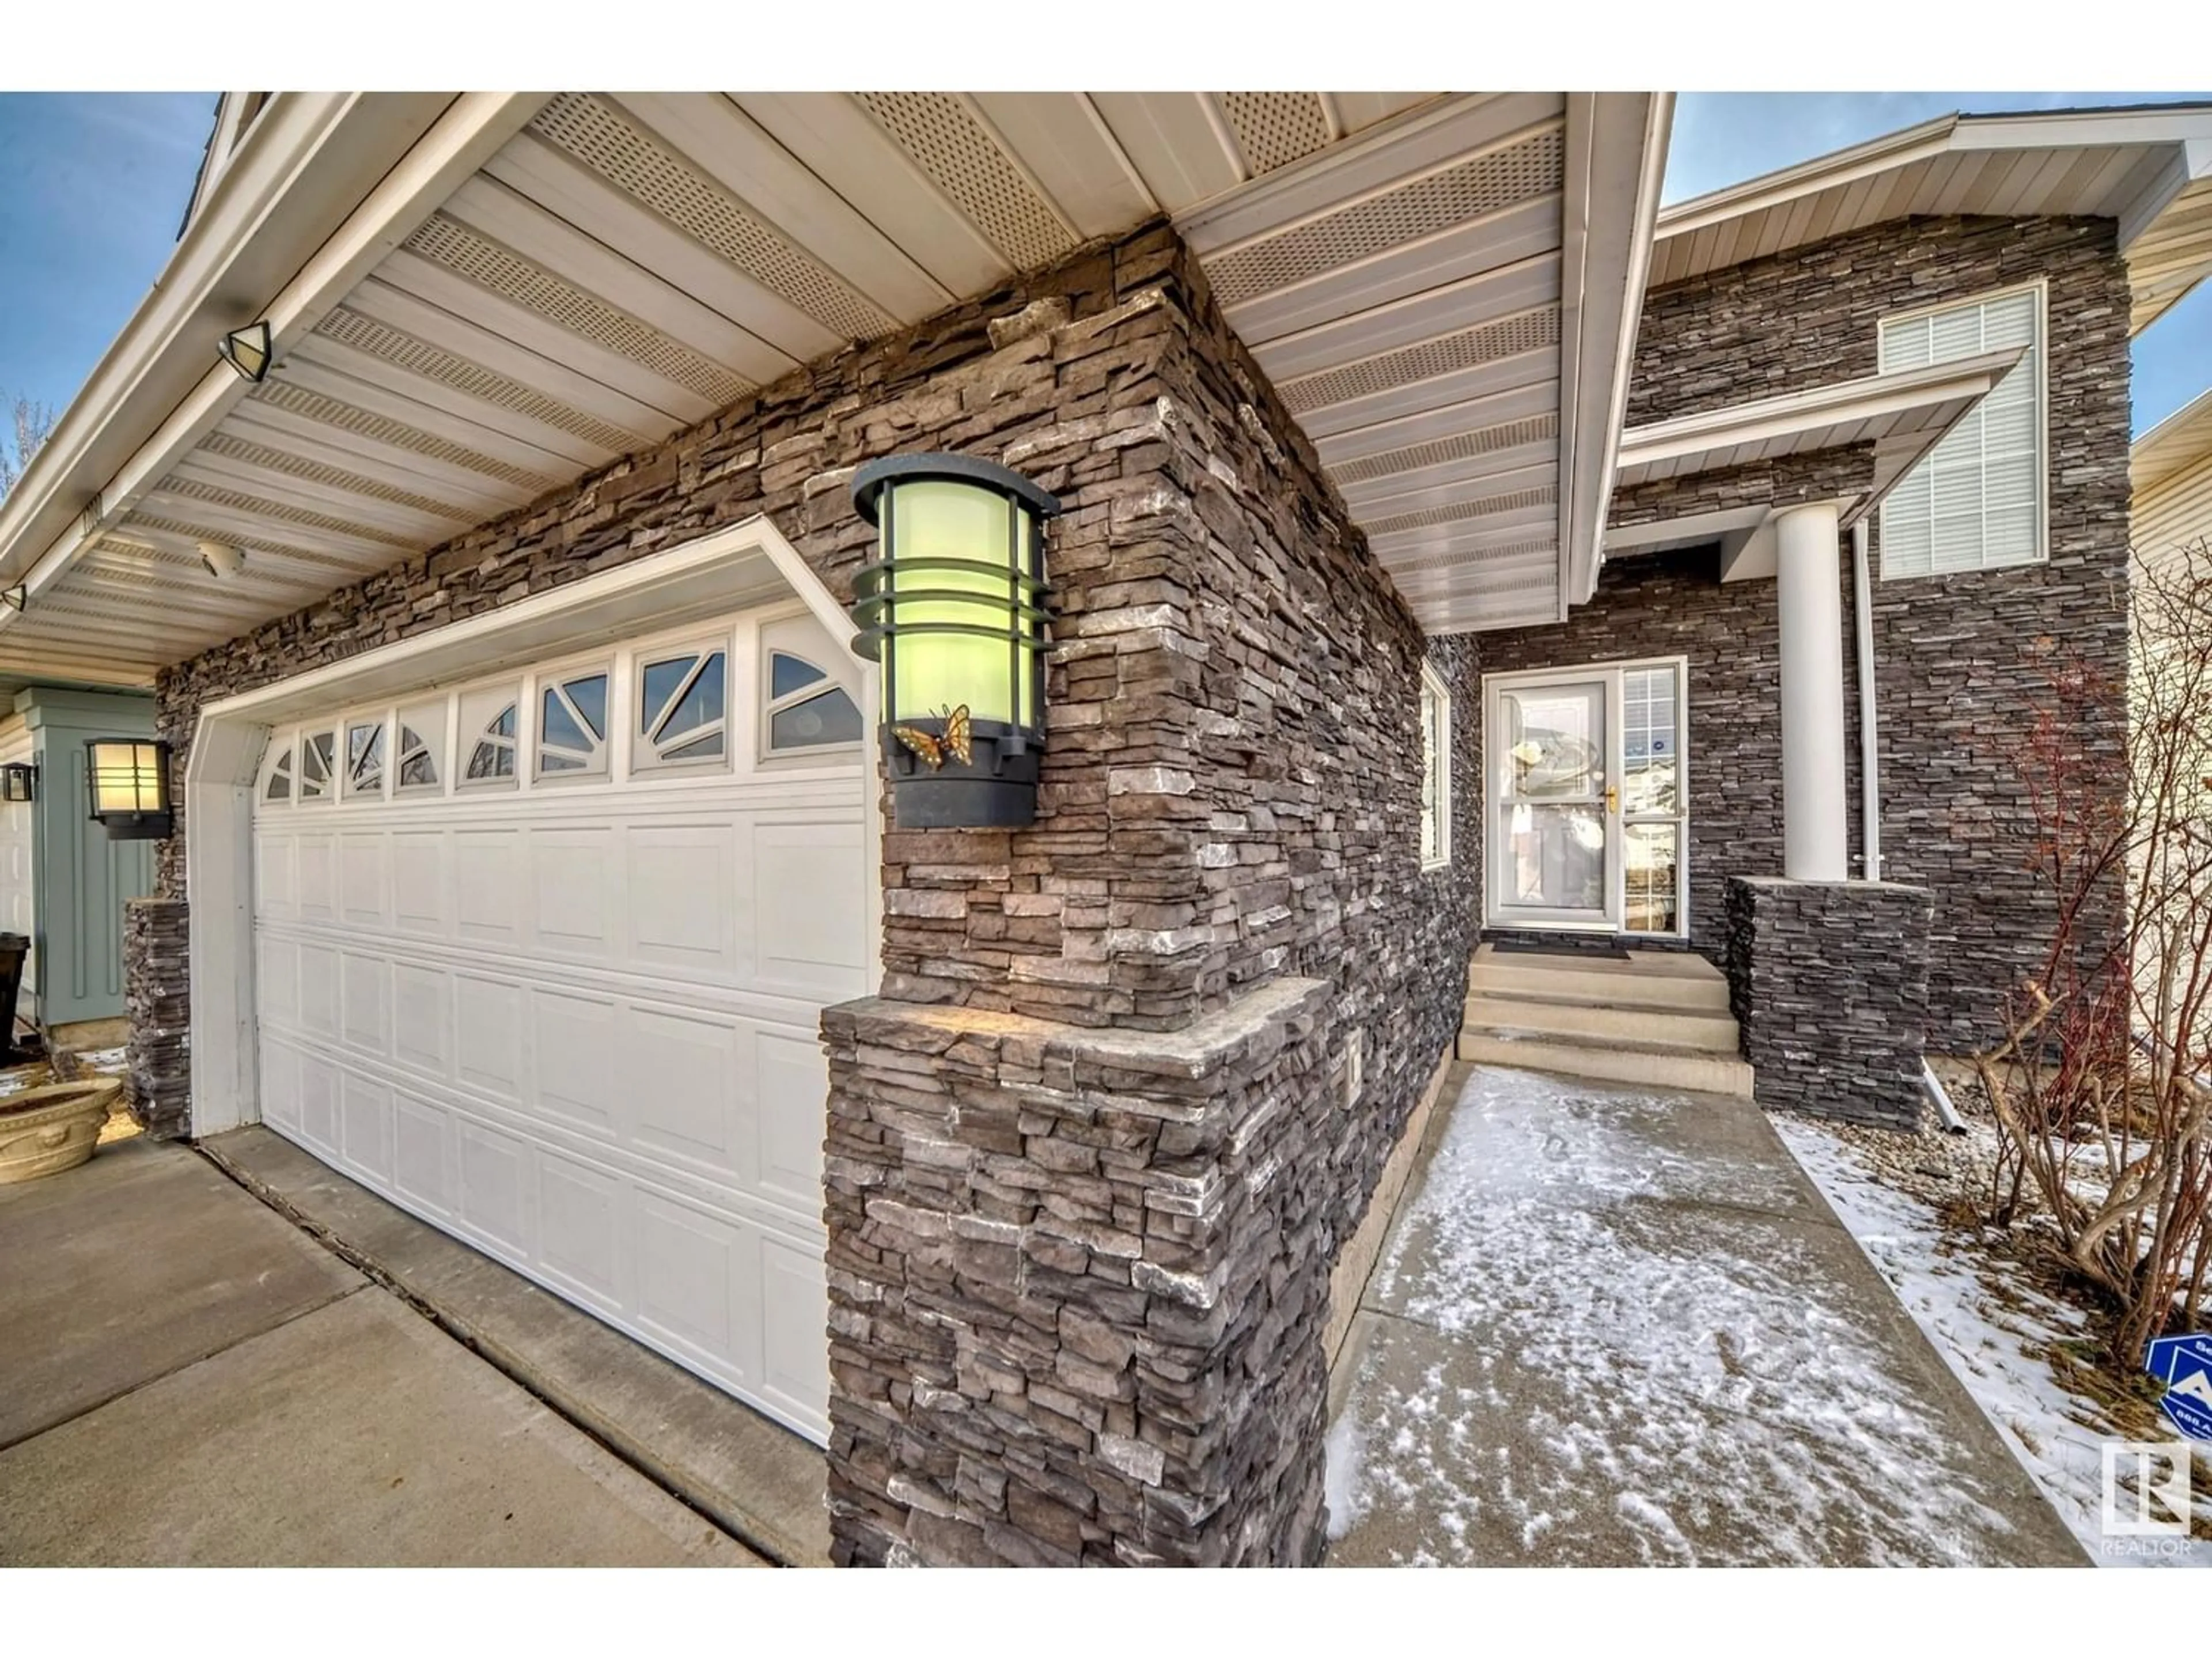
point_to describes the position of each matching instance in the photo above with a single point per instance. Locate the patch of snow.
(1994, 1343)
(1340, 1478)
(1645, 1347)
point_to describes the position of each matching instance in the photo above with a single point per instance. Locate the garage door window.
(683, 709)
(318, 764)
(488, 727)
(572, 730)
(365, 759)
(421, 739)
(803, 707)
(278, 784)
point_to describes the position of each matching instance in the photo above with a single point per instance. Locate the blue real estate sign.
(2184, 1364)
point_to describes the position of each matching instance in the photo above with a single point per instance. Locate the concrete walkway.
(1618, 1327)
(186, 1378)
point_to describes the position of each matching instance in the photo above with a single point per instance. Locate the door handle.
(1612, 798)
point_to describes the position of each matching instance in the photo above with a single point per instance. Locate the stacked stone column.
(157, 998)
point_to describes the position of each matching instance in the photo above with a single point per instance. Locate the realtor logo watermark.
(2146, 1499)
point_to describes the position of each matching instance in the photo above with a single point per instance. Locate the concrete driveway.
(187, 1379)
(1614, 1326)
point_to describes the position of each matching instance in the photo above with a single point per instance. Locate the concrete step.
(1658, 980)
(1698, 1031)
(1701, 1073)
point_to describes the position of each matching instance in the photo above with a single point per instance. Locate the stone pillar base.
(1078, 1285)
(1829, 983)
(157, 998)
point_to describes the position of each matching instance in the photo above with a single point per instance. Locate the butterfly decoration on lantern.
(931, 747)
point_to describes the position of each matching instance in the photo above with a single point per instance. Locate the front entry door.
(1587, 816)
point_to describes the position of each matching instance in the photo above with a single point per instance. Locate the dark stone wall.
(1228, 802)
(1077, 1286)
(1960, 661)
(1189, 1427)
(1829, 983)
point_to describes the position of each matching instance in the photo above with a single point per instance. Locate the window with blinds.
(1436, 770)
(1975, 502)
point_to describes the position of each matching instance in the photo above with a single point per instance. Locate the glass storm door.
(1586, 804)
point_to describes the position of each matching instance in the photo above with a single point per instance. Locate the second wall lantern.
(953, 607)
(128, 780)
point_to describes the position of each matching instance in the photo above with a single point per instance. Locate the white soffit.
(1443, 286)
(1903, 415)
(2149, 168)
(1446, 307)
(2181, 440)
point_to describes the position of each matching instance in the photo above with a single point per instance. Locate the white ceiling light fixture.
(221, 559)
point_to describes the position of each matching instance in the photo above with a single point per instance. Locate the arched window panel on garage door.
(276, 770)
(489, 728)
(808, 691)
(572, 724)
(319, 766)
(419, 751)
(364, 757)
(683, 708)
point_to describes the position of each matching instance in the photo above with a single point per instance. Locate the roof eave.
(305, 173)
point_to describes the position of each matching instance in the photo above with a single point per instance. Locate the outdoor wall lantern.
(248, 350)
(129, 781)
(953, 608)
(19, 781)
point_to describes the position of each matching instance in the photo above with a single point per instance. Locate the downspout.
(1940, 1098)
(1870, 773)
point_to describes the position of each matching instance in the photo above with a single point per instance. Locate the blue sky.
(92, 186)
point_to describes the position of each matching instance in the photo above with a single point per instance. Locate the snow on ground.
(1625, 1337)
(1995, 1342)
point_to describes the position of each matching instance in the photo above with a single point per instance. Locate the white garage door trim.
(742, 568)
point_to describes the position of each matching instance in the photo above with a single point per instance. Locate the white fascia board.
(2084, 128)
(1611, 209)
(1717, 432)
(1841, 166)
(245, 240)
(2181, 440)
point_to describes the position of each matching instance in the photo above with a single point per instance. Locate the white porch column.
(1815, 843)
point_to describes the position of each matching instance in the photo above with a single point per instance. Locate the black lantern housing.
(19, 781)
(249, 351)
(128, 782)
(953, 607)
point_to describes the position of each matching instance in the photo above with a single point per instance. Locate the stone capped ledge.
(1829, 984)
(1077, 1284)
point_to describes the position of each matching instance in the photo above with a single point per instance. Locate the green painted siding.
(83, 878)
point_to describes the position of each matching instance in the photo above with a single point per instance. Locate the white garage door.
(540, 959)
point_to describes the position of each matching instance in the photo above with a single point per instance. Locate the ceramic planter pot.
(46, 1130)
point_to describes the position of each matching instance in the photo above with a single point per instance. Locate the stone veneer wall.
(1228, 800)
(157, 1001)
(963, 1257)
(1829, 980)
(1959, 659)
(1078, 1286)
